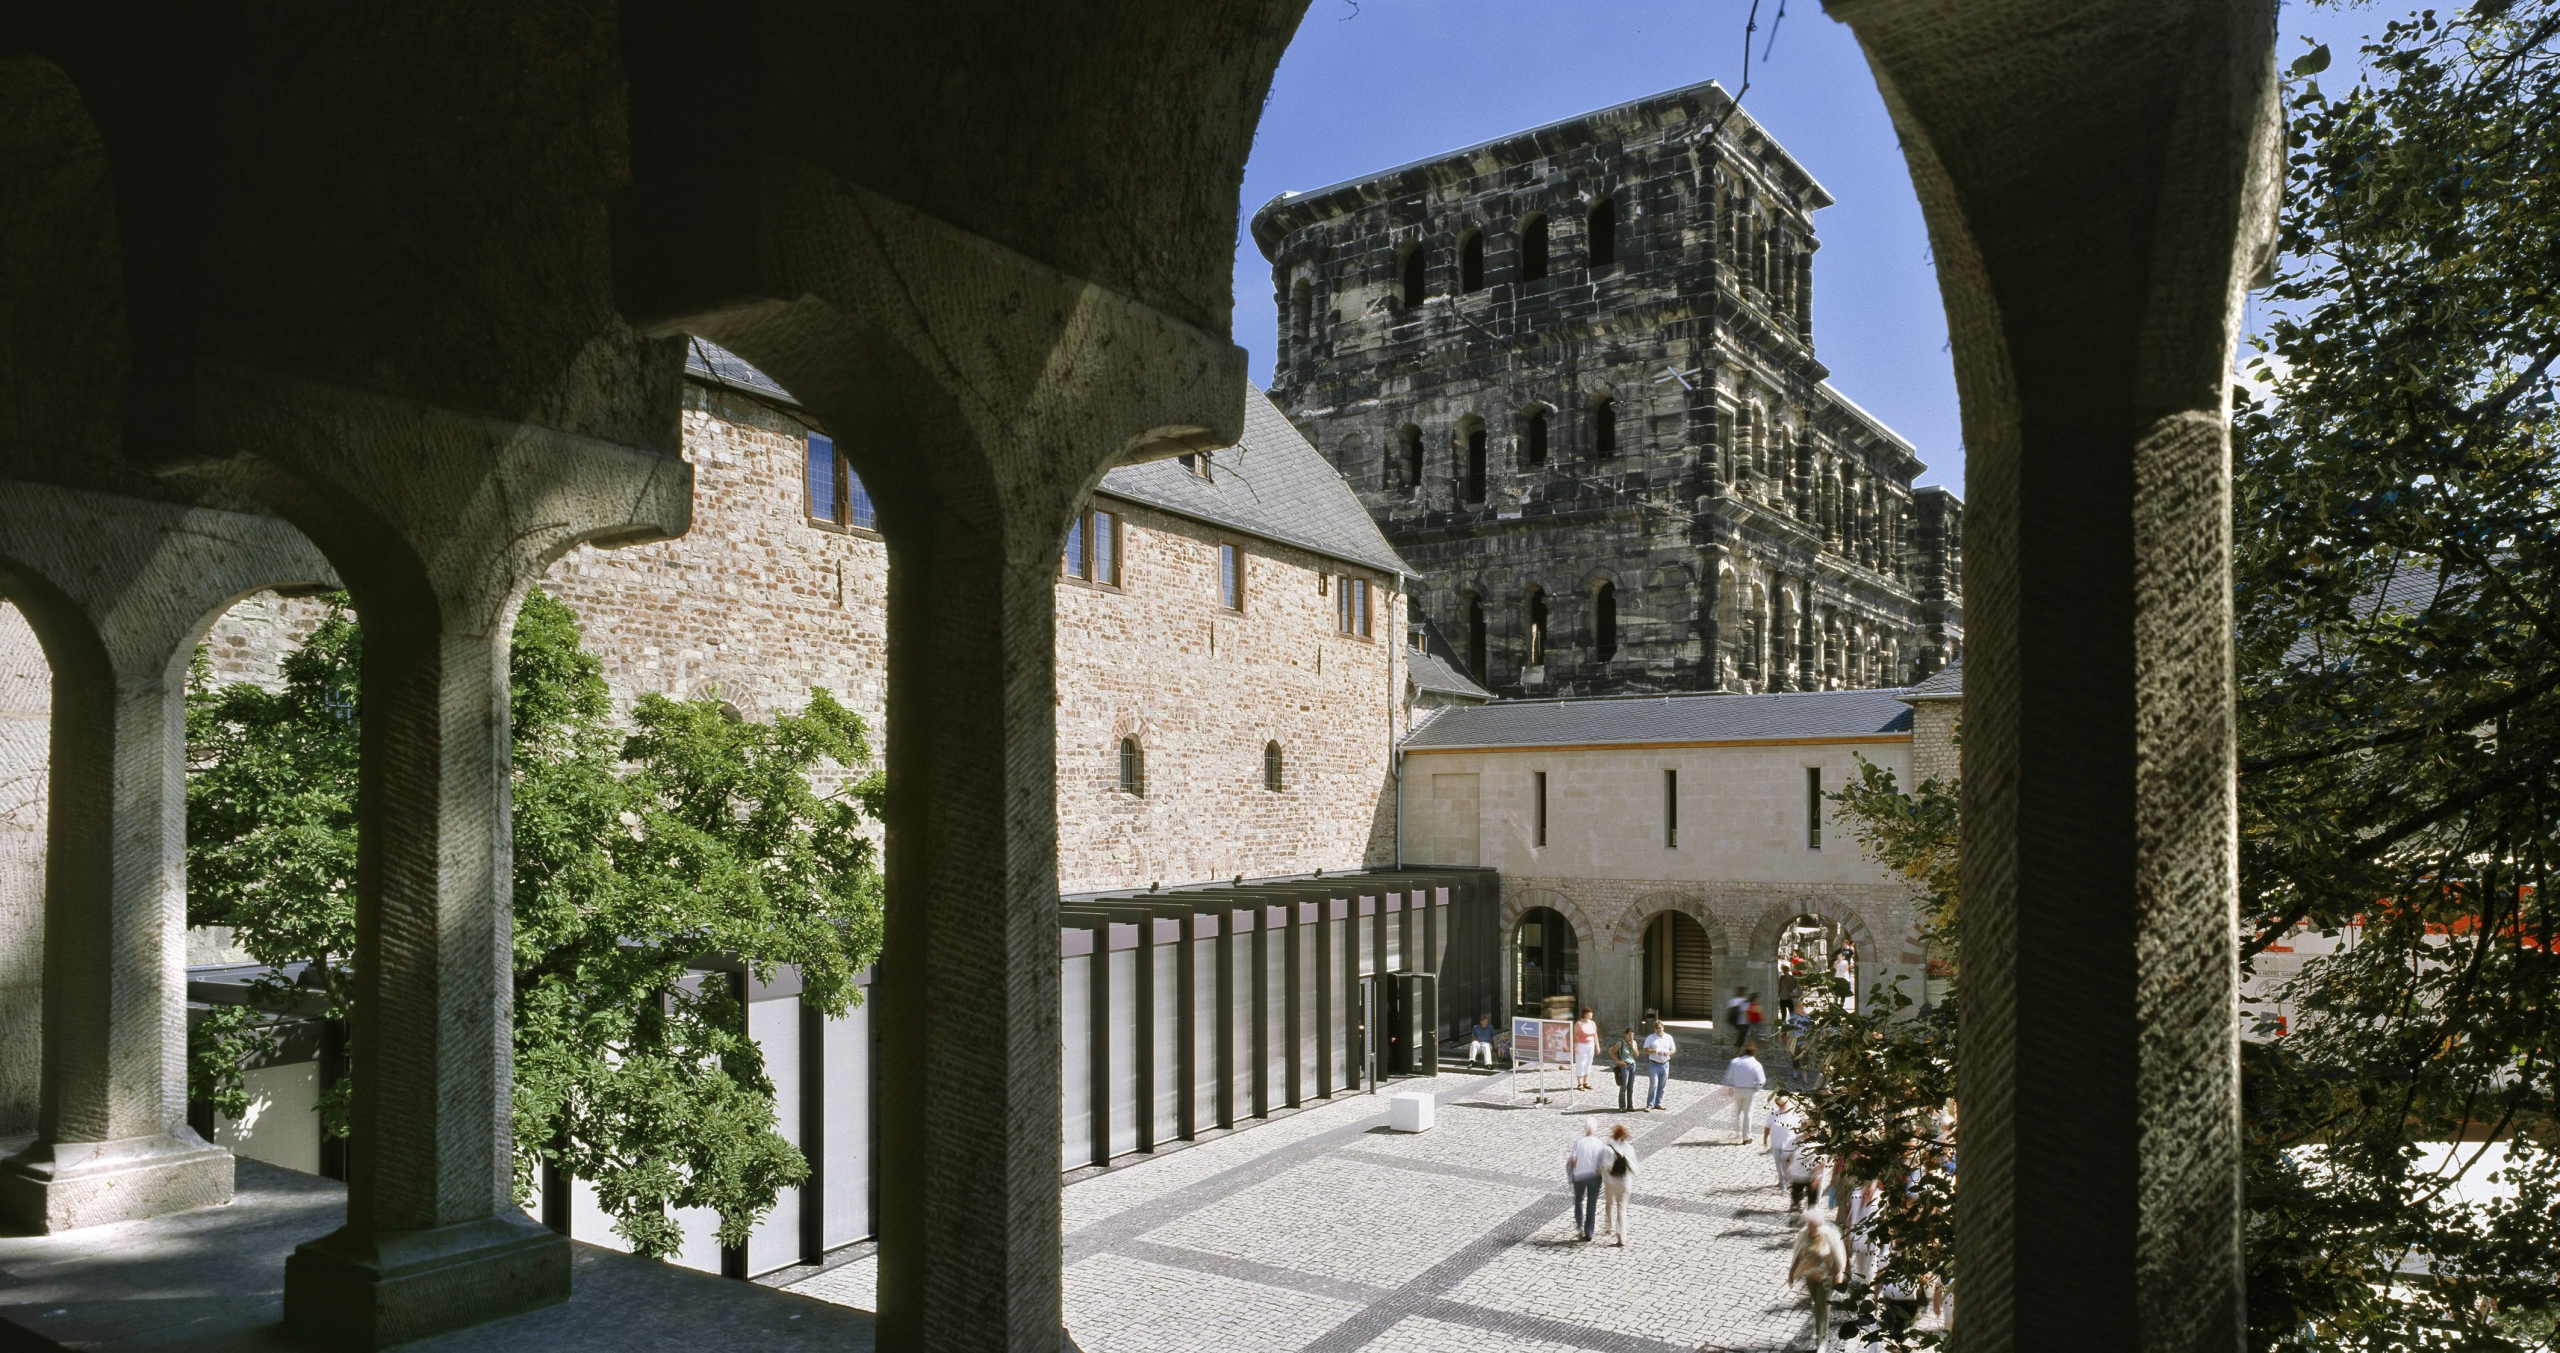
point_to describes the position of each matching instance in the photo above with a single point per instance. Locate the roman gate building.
(1571, 372)
(1655, 852)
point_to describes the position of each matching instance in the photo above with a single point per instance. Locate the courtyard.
(1328, 1231)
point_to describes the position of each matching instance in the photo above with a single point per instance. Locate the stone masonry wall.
(1203, 689)
(26, 703)
(1753, 528)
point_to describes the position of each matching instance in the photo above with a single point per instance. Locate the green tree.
(1884, 1074)
(654, 870)
(2398, 597)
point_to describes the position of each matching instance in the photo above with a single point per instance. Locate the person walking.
(1586, 1045)
(1787, 990)
(1733, 1013)
(1626, 1059)
(1778, 1134)
(1583, 1163)
(1743, 1079)
(1614, 1184)
(1480, 1041)
(1820, 1261)
(1658, 1048)
(1752, 1018)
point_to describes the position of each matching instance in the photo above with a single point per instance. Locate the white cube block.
(1412, 1111)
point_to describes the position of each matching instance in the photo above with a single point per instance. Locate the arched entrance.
(1811, 946)
(1679, 972)
(1543, 956)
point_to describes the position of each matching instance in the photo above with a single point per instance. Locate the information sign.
(1541, 1042)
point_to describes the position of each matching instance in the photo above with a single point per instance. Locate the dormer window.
(1196, 464)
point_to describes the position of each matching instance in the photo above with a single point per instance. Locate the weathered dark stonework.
(1750, 528)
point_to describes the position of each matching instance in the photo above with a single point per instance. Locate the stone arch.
(1626, 932)
(1774, 917)
(1586, 932)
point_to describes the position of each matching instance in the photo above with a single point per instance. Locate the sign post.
(1541, 1045)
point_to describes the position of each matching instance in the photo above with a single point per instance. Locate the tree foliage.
(1881, 1110)
(2398, 570)
(656, 871)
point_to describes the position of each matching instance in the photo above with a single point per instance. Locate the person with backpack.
(1626, 1058)
(1614, 1184)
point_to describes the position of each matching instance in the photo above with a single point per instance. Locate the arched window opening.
(1473, 611)
(1271, 767)
(1409, 443)
(1475, 439)
(1412, 268)
(1545, 965)
(1302, 314)
(1603, 225)
(1533, 248)
(1679, 970)
(1133, 768)
(1533, 438)
(1604, 427)
(1814, 952)
(1604, 621)
(1471, 261)
(1537, 610)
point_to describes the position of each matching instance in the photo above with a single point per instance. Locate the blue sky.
(1380, 82)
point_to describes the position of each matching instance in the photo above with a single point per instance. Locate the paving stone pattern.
(1325, 1231)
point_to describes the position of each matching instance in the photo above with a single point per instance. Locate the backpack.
(1617, 1162)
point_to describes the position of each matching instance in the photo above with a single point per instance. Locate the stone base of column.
(61, 1186)
(372, 1289)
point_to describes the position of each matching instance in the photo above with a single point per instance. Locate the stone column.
(977, 453)
(2096, 194)
(118, 591)
(438, 519)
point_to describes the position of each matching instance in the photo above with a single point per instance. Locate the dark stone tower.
(1571, 373)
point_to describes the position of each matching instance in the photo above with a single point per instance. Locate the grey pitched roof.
(1273, 484)
(1671, 719)
(708, 361)
(1947, 683)
(1429, 673)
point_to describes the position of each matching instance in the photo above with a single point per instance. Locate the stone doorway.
(1679, 968)
(1545, 962)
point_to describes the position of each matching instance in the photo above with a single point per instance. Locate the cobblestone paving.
(1327, 1232)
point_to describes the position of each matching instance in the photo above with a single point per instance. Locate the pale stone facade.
(1741, 861)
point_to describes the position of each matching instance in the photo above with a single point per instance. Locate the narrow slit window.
(1533, 438)
(1813, 807)
(1133, 768)
(1533, 249)
(1231, 577)
(1271, 767)
(1537, 609)
(1604, 622)
(1604, 427)
(1475, 464)
(1603, 225)
(1471, 262)
(1475, 636)
(1537, 808)
(1412, 266)
(1410, 439)
(1670, 809)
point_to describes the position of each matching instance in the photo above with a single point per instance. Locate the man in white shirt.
(1658, 1047)
(1779, 1134)
(1583, 1163)
(1743, 1077)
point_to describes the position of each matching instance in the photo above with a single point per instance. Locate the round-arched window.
(1271, 778)
(1133, 767)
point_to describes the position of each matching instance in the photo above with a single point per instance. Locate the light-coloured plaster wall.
(1204, 689)
(1741, 866)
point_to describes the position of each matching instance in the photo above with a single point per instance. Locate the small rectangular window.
(1105, 534)
(1813, 807)
(1093, 548)
(1537, 808)
(1351, 607)
(1231, 577)
(822, 478)
(1670, 810)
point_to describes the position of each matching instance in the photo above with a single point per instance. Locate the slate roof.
(1429, 673)
(1947, 683)
(708, 361)
(1273, 484)
(1666, 719)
